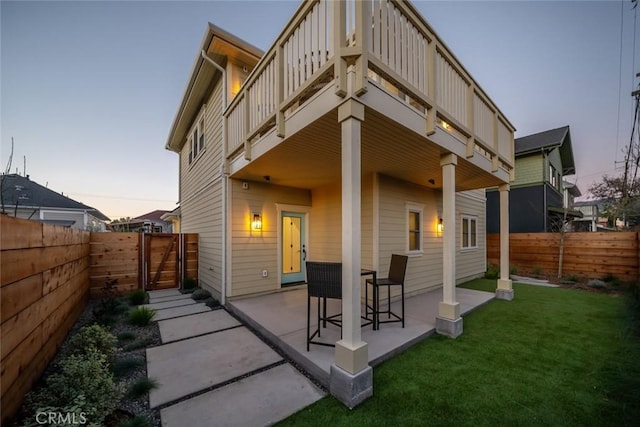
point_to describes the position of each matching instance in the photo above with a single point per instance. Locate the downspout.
(545, 169)
(223, 172)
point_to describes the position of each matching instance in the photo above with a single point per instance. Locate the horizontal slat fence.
(44, 286)
(590, 255)
(115, 256)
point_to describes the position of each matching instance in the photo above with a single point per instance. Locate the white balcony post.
(505, 286)
(448, 321)
(351, 377)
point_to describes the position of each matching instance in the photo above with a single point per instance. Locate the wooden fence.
(590, 255)
(46, 275)
(44, 286)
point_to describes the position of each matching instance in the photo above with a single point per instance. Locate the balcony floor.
(281, 319)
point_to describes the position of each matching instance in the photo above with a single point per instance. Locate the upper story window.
(196, 140)
(554, 177)
(414, 228)
(469, 232)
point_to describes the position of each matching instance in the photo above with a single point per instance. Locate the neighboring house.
(333, 146)
(540, 198)
(592, 216)
(151, 222)
(27, 199)
(174, 218)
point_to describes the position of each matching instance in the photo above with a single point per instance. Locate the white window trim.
(468, 218)
(191, 143)
(419, 209)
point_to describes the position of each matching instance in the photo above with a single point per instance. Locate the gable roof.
(547, 141)
(152, 216)
(22, 191)
(218, 44)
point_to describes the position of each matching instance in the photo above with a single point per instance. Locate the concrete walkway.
(212, 370)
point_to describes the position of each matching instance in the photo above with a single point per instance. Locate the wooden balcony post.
(339, 29)
(280, 125)
(448, 321)
(431, 87)
(246, 122)
(363, 40)
(505, 288)
(351, 377)
(470, 122)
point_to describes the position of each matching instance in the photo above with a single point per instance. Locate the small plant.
(513, 269)
(141, 388)
(125, 366)
(212, 302)
(141, 316)
(493, 272)
(572, 278)
(200, 294)
(189, 283)
(126, 336)
(137, 297)
(93, 338)
(106, 309)
(536, 272)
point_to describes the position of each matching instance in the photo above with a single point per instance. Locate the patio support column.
(505, 287)
(448, 321)
(351, 377)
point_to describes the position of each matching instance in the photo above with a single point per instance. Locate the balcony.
(419, 100)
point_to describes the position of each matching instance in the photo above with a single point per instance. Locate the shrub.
(212, 302)
(83, 383)
(141, 316)
(493, 272)
(137, 297)
(138, 344)
(536, 272)
(93, 337)
(200, 294)
(513, 269)
(189, 283)
(596, 284)
(141, 388)
(572, 278)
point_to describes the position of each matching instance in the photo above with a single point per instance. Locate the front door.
(294, 251)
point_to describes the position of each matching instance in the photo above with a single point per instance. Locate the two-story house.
(540, 198)
(355, 136)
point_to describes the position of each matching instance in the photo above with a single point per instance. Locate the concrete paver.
(184, 310)
(153, 300)
(170, 304)
(164, 293)
(258, 400)
(194, 364)
(196, 324)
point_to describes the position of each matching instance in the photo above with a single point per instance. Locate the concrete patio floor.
(282, 318)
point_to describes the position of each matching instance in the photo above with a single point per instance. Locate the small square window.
(469, 232)
(414, 228)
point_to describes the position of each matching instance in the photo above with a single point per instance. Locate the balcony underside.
(394, 143)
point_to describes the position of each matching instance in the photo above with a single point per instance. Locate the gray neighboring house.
(27, 199)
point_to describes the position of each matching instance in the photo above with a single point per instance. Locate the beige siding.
(424, 270)
(471, 263)
(529, 170)
(201, 194)
(78, 217)
(254, 251)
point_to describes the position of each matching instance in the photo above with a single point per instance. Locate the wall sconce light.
(256, 223)
(440, 227)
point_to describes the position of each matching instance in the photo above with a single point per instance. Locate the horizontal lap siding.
(253, 251)
(590, 255)
(45, 283)
(424, 271)
(201, 195)
(325, 242)
(471, 263)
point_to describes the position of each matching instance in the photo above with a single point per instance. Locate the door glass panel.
(291, 250)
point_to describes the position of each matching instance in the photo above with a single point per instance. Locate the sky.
(89, 89)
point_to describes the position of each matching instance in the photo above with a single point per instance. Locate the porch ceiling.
(311, 157)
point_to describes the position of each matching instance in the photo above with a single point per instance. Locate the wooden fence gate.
(142, 261)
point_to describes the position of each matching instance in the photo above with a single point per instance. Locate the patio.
(281, 318)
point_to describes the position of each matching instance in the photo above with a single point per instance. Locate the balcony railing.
(383, 38)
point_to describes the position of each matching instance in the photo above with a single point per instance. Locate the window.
(469, 232)
(196, 140)
(414, 228)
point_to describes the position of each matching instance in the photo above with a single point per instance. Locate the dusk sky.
(89, 89)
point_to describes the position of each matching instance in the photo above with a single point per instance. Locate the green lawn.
(550, 357)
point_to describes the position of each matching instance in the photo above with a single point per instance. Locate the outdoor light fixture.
(256, 223)
(440, 227)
